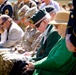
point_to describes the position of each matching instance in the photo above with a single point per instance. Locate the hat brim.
(54, 22)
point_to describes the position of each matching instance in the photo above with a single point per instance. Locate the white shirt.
(4, 36)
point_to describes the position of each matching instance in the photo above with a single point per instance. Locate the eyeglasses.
(3, 22)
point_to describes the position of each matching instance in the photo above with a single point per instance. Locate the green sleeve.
(55, 59)
(50, 42)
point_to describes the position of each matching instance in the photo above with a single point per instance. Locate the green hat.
(38, 17)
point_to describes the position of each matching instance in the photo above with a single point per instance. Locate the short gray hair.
(5, 17)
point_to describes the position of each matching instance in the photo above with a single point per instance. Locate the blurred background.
(60, 1)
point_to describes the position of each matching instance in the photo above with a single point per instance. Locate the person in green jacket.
(60, 60)
(49, 34)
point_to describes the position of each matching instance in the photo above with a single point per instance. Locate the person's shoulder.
(42, 6)
(9, 3)
(55, 2)
(16, 2)
(32, 1)
(15, 27)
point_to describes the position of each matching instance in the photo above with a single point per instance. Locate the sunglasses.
(37, 25)
(3, 23)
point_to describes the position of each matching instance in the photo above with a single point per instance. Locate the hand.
(30, 66)
(69, 44)
(28, 53)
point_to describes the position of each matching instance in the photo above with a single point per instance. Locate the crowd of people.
(43, 32)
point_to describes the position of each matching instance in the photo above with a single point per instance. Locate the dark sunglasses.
(3, 22)
(37, 25)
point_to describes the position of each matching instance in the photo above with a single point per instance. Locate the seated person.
(71, 30)
(49, 34)
(51, 10)
(30, 34)
(13, 32)
(21, 16)
(71, 35)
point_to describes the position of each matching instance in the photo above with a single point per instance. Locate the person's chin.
(2, 31)
(71, 50)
